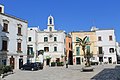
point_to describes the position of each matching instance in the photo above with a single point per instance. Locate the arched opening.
(50, 28)
(50, 20)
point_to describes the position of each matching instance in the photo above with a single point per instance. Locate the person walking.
(66, 63)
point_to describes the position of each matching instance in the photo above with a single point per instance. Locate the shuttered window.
(77, 51)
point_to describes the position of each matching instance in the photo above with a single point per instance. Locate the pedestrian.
(66, 63)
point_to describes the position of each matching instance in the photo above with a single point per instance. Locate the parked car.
(40, 65)
(30, 66)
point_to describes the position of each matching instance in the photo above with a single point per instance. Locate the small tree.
(88, 55)
(83, 43)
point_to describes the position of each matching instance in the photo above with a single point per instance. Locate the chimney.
(1, 8)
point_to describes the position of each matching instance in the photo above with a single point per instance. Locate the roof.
(14, 17)
(81, 31)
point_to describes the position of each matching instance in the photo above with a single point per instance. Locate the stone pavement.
(73, 72)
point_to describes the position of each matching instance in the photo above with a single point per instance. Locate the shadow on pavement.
(108, 74)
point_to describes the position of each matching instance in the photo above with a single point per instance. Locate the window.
(45, 39)
(18, 46)
(55, 48)
(4, 45)
(29, 39)
(87, 39)
(0, 9)
(111, 50)
(55, 38)
(77, 39)
(77, 51)
(50, 28)
(50, 20)
(100, 50)
(110, 38)
(69, 45)
(30, 51)
(46, 49)
(88, 48)
(19, 30)
(99, 38)
(5, 27)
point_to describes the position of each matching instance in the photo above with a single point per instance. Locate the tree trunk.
(88, 62)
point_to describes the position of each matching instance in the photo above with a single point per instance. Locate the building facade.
(32, 43)
(69, 52)
(102, 46)
(13, 40)
(118, 52)
(78, 56)
(106, 46)
(52, 42)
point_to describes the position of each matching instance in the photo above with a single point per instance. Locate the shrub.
(1, 69)
(114, 62)
(53, 63)
(105, 62)
(60, 63)
(5, 69)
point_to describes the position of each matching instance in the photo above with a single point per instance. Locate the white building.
(51, 41)
(13, 40)
(106, 46)
(118, 52)
(32, 43)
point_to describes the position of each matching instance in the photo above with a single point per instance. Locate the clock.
(50, 35)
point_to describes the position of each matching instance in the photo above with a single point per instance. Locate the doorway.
(110, 59)
(100, 59)
(78, 60)
(48, 62)
(20, 63)
(70, 58)
(12, 62)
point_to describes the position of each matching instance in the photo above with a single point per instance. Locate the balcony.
(19, 51)
(100, 54)
(19, 34)
(4, 51)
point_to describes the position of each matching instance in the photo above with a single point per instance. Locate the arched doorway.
(12, 62)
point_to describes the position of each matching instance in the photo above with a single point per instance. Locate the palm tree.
(83, 43)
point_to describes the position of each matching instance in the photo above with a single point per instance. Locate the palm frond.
(84, 39)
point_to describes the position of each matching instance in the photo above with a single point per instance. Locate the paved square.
(57, 73)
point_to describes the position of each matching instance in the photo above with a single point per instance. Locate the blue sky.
(69, 15)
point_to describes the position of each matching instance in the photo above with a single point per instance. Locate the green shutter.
(88, 48)
(77, 39)
(87, 39)
(77, 51)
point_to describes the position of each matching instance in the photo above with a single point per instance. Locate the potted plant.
(53, 64)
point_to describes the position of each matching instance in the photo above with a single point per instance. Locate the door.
(20, 62)
(70, 58)
(48, 61)
(78, 60)
(12, 62)
(110, 59)
(100, 59)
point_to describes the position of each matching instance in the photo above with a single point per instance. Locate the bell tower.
(1, 8)
(50, 23)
